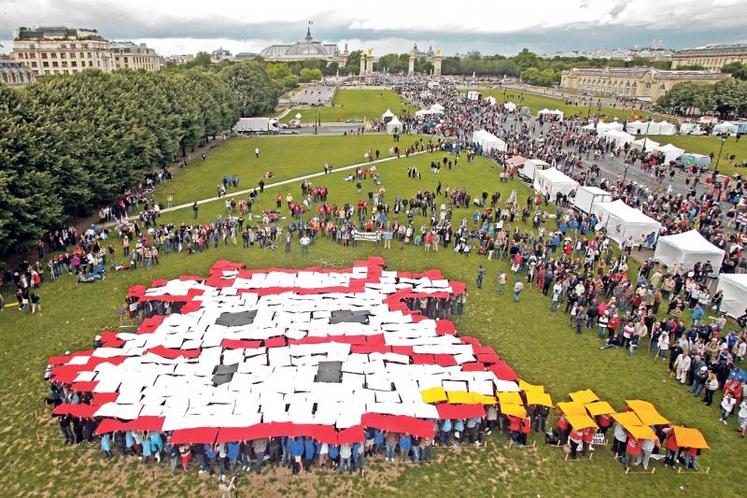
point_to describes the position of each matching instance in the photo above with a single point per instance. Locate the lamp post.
(724, 136)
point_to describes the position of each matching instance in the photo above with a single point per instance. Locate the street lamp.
(723, 136)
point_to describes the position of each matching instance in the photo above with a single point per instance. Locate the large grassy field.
(538, 102)
(352, 104)
(287, 157)
(710, 144)
(538, 343)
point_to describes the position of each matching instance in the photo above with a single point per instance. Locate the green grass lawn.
(352, 104)
(538, 343)
(710, 144)
(538, 102)
(286, 157)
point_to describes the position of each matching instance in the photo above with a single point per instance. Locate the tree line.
(727, 98)
(71, 143)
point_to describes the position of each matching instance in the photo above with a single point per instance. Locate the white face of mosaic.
(328, 361)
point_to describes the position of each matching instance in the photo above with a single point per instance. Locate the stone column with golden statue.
(437, 64)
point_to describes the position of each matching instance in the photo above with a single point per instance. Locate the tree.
(282, 77)
(730, 95)
(687, 98)
(545, 77)
(201, 59)
(254, 89)
(736, 69)
(307, 75)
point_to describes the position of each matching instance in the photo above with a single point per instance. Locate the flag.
(512, 197)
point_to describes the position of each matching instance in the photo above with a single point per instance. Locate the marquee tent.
(491, 100)
(670, 152)
(686, 249)
(725, 127)
(488, 141)
(473, 95)
(587, 196)
(557, 113)
(509, 106)
(690, 129)
(394, 126)
(734, 287)
(619, 137)
(634, 127)
(692, 159)
(602, 126)
(434, 109)
(644, 142)
(643, 128)
(666, 128)
(388, 114)
(532, 165)
(553, 181)
(516, 161)
(623, 221)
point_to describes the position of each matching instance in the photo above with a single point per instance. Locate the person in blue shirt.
(334, 453)
(404, 447)
(232, 452)
(208, 460)
(106, 446)
(156, 444)
(309, 452)
(378, 441)
(697, 314)
(146, 449)
(297, 450)
(443, 435)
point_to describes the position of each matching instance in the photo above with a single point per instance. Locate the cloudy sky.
(490, 26)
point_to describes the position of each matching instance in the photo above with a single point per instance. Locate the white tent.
(725, 127)
(666, 128)
(619, 137)
(434, 109)
(634, 127)
(686, 249)
(557, 113)
(509, 106)
(587, 196)
(388, 114)
(553, 181)
(602, 126)
(623, 221)
(394, 126)
(473, 95)
(488, 141)
(491, 100)
(670, 152)
(532, 165)
(734, 286)
(437, 108)
(690, 129)
(644, 142)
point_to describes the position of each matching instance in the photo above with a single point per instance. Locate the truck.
(256, 125)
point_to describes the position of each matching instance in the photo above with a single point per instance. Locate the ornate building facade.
(637, 82)
(308, 48)
(712, 57)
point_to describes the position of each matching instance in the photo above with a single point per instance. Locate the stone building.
(13, 73)
(712, 57)
(637, 82)
(308, 48)
(50, 51)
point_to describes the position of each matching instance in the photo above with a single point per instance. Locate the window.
(73, 64)
(89, 55)
(63, 55)
(54, 64)
(53, 55)
(33, 63)
(45, 64)
(44, 55)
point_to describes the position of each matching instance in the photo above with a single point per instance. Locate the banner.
(367, 236)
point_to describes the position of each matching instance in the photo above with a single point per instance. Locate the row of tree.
(727, 97)
(70, 143)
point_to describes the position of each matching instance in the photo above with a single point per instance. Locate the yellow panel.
(689, 437)
(433, 395)
(599, 408)
(459, 397)
(539, 398)
(586, 396)
(514, 410)
(483, 399)
(627, 419)
(571, 408)
(641, 432)
(580, 422)
(526, 387)
(510, 398)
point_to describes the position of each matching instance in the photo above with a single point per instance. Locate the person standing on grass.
(480, 276)
(256, 152)
(742, 417)
(195, 210)
(502, 279)
(518, 287)
(305, 241)
(710, 388)
(727, 406)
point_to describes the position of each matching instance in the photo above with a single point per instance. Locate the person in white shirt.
(742, 417)
(682, 367)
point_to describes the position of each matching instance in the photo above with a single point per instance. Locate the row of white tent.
(624, 222)
(433, 109)
(488, 142)
(557, 113)
(650, 128)
(621, 138)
